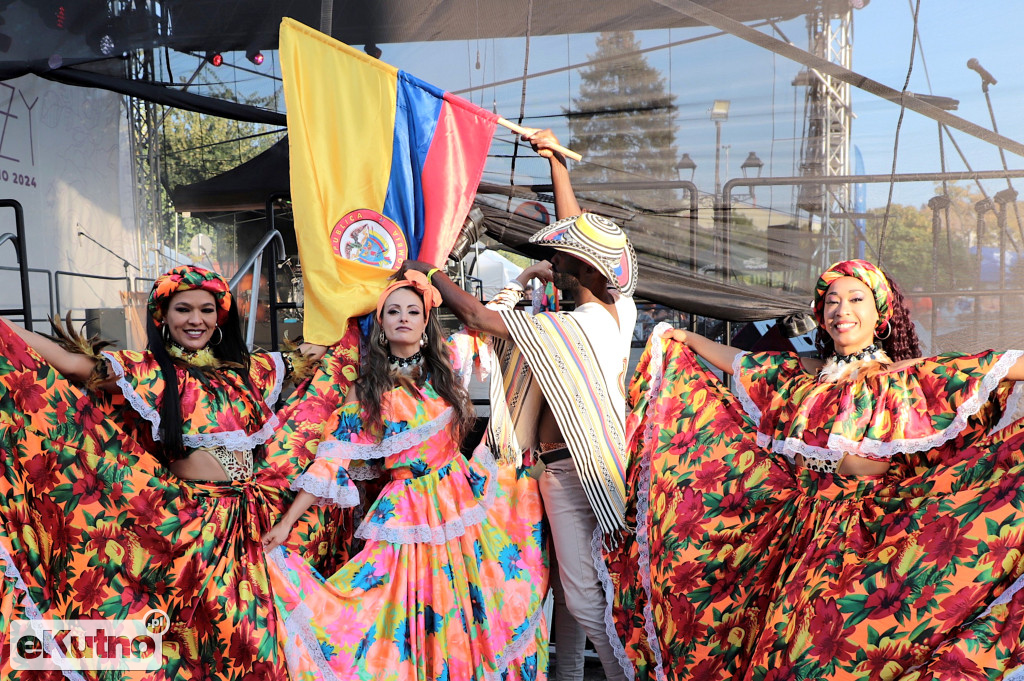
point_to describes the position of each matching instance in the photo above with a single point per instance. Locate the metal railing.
(18, 238)
(79, 275)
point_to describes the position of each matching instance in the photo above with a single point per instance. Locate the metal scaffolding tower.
(826, 140)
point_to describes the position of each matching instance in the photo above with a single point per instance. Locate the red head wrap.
(188, 278)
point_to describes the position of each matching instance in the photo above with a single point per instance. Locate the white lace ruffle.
(279, 371)
(370, 471)
(32, 612)
(837, 445)
(439, 534)
(609, 597)
(235, 440)
(296, 623)
(740, 391)
(1014, 408)
(643, 505)
(514, 649)
(327, 492)
(399, 442)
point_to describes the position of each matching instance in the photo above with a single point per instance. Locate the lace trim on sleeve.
(1014, 408)
(342, 449)
(327, 492)
(740, 391)
(232, 439)
(880, 449)
(366, 471)
(439, 534)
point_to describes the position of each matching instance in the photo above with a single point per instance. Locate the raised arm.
(73, 366)
(566, 204)
(720, 356)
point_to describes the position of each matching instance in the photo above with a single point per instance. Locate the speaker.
(109, 324)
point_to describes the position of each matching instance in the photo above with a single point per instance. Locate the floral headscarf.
(870, 275)
(415, 280)
(188, 278)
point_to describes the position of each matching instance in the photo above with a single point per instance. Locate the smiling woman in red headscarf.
(846, 517)
(150, 489)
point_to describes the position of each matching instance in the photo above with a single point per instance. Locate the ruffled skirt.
(92, 527)
(744, 567)
(448, 586)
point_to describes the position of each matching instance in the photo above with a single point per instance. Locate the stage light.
(720, 110)
(215, 58)
(255, 56)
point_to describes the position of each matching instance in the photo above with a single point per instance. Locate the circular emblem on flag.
(368, 237)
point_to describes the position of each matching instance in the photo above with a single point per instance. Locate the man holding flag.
(563, 379)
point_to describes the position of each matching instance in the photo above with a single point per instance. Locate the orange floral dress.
(94, 527)
(451, 580)
(745, 566)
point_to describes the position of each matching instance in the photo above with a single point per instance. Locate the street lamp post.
(752, 164)
(719, 113)
(686, 164)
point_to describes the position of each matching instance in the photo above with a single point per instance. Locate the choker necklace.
(839, 367)
(870, 352)
(410, 361)
(203, 358)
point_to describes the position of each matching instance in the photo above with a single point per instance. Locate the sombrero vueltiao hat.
(597, 241)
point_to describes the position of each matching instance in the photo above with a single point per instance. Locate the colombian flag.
(384, 167)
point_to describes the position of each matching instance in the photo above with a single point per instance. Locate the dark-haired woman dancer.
(452, 577)
(845, 518)
(155, 496)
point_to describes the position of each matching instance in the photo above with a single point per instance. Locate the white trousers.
(572, 523)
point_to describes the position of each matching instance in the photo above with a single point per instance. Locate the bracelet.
(430, 273)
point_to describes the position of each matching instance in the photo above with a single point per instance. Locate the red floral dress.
(94, 527)
(745, 566)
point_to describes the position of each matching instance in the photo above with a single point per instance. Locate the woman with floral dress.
(852, 518)
(451, 579)
(151, 490)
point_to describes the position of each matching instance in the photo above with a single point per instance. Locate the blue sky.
(766, 112)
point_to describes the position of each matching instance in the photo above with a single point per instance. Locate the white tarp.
(492, 269)
(63, 156)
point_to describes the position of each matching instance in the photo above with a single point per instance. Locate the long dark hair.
(901, 343)
(231, 348)
(376, 378)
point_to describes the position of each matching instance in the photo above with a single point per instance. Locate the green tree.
(624, 124)
(196, 147)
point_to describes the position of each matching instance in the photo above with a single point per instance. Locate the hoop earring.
(888, 327)
(423, 339)
(166, 335)
(219, 338)
(382, 340)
